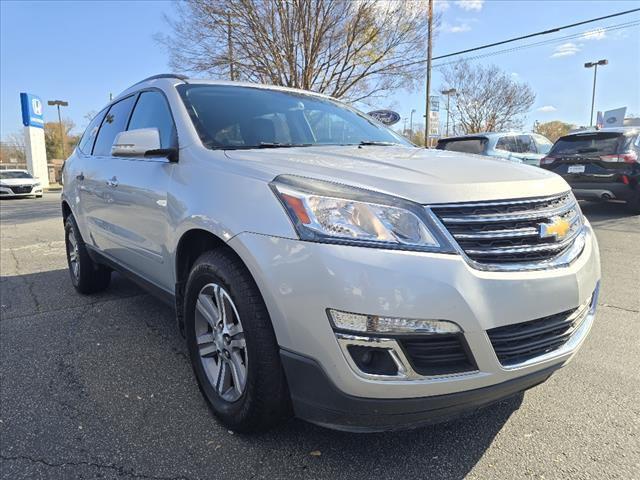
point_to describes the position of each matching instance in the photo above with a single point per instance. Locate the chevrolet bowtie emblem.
(558, 228)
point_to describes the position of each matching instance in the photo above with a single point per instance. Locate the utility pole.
(404, 129)
(230, 48)
(448, 93)
(595, 73)
(428, 101)
(413, 110)
(60, 103)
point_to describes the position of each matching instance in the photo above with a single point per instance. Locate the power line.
(544, 42)
(545, 32)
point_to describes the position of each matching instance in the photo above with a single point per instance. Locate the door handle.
(113, 182)
(80, 176)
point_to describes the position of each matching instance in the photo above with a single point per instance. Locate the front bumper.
(320, 402)
(300, 280)
(8, 192)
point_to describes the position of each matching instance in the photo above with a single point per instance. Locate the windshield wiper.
(279, 145)
(365, 143)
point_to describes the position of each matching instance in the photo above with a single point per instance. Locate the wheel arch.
(193, 243)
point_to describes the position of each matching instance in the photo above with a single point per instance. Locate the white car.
(320, 264)
(19, 183)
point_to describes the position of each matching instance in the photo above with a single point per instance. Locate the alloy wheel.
(72, 251)
(221, 342)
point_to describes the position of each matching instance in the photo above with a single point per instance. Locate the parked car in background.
(19, 183)
(599, 164)
(527, 148)
(319, 264)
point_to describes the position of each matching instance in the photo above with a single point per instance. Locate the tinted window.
(242, 117)
(525, 144)
(600, 143)
(115, 121)
(89, 136)
(471, 145)
(152, 110)
(507, 144)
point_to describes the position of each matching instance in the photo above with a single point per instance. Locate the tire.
(251, 351)
(86, 275)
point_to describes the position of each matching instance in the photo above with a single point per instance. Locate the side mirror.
(141, 142)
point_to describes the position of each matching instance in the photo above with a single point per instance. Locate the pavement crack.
(121, 470)
(75, 307)
(619, 308)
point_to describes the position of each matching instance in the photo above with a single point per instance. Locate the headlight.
(37, 184)
(328, 212)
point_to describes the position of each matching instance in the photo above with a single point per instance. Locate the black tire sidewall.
(244, 414)
(202, 275)
(69, 227)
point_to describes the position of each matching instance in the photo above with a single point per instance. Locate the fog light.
(355, 322)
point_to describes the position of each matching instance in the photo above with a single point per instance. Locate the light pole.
(428, 85)
(595, 73)
(413, 110)
(448, 93)
(60, 103)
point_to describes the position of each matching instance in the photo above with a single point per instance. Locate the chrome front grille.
(513, 232)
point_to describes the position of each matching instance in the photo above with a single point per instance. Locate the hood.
(424, 176)
(18, 181)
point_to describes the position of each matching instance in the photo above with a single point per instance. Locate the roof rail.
(164, 75)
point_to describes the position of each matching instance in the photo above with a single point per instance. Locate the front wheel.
(232, 346)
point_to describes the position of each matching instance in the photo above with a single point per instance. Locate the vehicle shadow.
(118, 333)
(608, 215)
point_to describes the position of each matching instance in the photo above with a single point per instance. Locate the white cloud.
(565, 50)
(515, 74)
(595, 34)
(547, 109)
(470, 4)
(441, 5)
(459, 28)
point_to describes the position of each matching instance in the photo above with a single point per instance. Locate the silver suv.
(322, 266)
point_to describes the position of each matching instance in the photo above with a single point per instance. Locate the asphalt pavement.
(101, 387)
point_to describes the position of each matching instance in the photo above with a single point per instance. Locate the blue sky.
(82, 51)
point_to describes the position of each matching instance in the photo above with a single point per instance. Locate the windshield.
(599, 143)
(466, 145)
(6, 175)
(232, 117)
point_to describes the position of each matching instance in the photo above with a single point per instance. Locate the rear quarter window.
(471, 145)
(89, 135)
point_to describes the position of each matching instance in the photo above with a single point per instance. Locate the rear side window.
(599, 143)
(471, 145)
(151, 111)
(525, 144)
(89, 136)
(115, 121)
(508, 144)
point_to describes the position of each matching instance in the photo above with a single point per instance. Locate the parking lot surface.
(101, 387)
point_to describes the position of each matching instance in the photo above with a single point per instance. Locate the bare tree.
(351, 49)
(488, 99)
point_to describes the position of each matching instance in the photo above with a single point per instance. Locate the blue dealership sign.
(32, 111)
